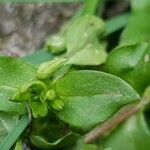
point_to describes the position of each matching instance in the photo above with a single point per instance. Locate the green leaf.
(146, 99)
(14, 134)
(91, 54)
(116, 23)
(132, 135)
(56, 104)
(38, 57)
(32, 90)
(5, 105)
(80, 145)
(132, 63)
(56, 44)
(33, 93)
(18, 146)
(83, 30)
(13, 74)
(89, 147)
(138, 5)
(63, 141)
(147, 93)
(62, 71)
(82, 41)
(131, 60)
(7, 123)
(39, 108)
(137, 29)
(50, 127)
(91, 97)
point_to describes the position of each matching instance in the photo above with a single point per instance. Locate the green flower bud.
(50, 94)
(56, 44)
(28, 91)
(57, 104)
(36, 87)
(36, 98)
(47, 69)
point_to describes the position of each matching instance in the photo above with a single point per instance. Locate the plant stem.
(122, 115)
(91, 6)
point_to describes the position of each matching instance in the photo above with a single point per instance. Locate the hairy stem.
(122, 114)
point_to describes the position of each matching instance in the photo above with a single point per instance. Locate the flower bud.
(56, 44)
(47, 69)
(57, 104)
(50, 94)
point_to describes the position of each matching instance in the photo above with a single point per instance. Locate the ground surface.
(24, 28)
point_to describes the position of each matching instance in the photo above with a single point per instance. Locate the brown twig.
(111, 123)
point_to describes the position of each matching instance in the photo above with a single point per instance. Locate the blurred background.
(24, 28)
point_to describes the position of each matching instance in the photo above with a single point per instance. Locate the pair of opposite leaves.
(89, 97)
(131, 59)
(132, 63)
(81, 39)
(128, 135)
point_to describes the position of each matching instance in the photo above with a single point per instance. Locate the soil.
(24, 28)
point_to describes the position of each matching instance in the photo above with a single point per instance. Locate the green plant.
(61, 103)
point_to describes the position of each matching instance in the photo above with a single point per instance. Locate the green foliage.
(91, 97)
(13, 74)
(39, 108)
(7, 123)
(14, 134)
(80, 145)
(80, 38)
(131, 60)
(47, 69)
(65, 98)
(64, 141)
(37, 92)
(82, 41)
(133, 135)
(132, 63)
(87, 29)
(90, 7)
(139, 21)
(116, 23)
(38, 57)
(137, 29)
